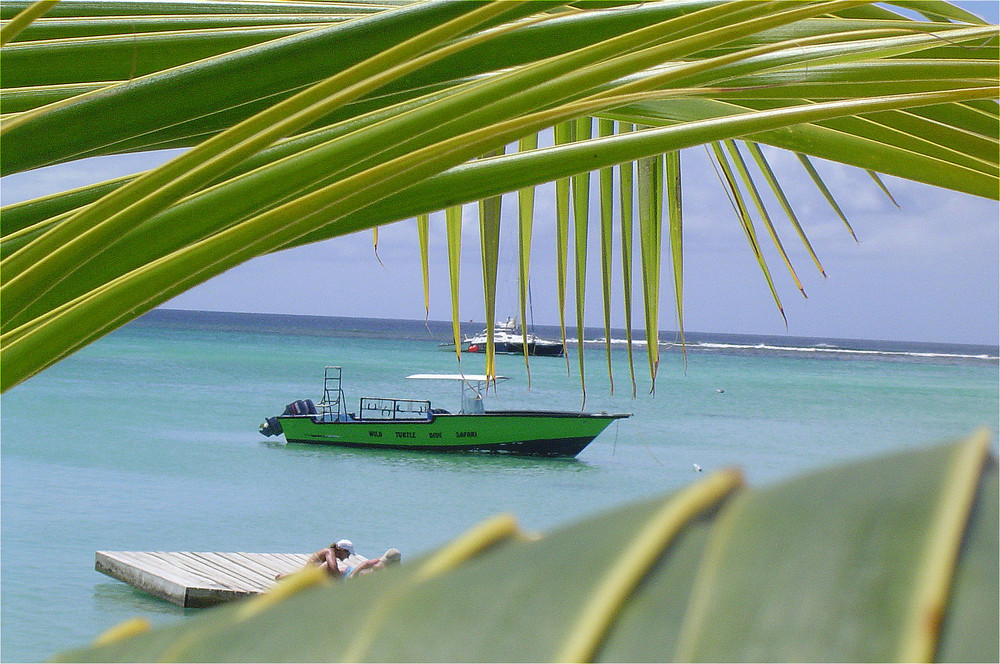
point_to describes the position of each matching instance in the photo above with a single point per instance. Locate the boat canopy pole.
(473, 387)
(531, 313)
(468, 378)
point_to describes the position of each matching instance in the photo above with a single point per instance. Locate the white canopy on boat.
(468, 377)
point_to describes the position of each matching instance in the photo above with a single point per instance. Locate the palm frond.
(358, 115)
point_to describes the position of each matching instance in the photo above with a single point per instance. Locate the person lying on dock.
(327, 558)
(390, 557)
(343, 550)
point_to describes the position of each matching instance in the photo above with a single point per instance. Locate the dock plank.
(206, 565)
(176, 563)
(288, 558)
(254, 571)
(267, 565)
(239, 571)
(150, 562)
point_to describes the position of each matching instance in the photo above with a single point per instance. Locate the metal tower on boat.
(333, 393)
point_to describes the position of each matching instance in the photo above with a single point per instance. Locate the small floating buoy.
(720, 391)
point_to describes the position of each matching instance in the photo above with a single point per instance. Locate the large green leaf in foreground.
(893, 559)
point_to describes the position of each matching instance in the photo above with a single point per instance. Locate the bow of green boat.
(411, 424)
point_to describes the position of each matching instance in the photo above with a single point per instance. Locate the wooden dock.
(193, 579)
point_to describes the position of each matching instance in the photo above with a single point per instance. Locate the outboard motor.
(271, 427)
(300, 407)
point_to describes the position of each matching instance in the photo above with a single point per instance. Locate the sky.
(925, 271)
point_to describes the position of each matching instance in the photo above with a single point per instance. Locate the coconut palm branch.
(308, 121)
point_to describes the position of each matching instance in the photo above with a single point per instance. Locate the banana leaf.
(888, 559)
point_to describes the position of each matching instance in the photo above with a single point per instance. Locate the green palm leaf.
(489, 234)
(606, 184)
(582, 131)
(423, 237)
(649, 175)
(390, 125)
(525, 218)
(626, 180)
(728, 177)
(751, 188)
(675, 220)
(562, 134)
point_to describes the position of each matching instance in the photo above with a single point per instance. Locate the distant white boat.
(507, 338)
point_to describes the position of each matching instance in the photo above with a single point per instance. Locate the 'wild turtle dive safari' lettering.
(465, 434)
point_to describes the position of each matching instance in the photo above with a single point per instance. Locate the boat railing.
(380, 408)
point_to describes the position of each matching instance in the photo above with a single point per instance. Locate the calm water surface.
(147, 440)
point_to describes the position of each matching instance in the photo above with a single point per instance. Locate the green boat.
(410, 424)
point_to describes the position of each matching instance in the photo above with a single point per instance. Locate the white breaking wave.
(833, 350)
(819, 348)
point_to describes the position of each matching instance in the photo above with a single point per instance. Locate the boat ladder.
(333, 393)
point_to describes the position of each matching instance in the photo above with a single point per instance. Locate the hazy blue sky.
(926, 271)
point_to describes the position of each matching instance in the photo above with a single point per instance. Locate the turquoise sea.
(147, 440)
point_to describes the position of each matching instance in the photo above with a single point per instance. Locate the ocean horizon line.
(441, 331)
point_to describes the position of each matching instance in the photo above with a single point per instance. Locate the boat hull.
(542, 349)
(558, 434)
